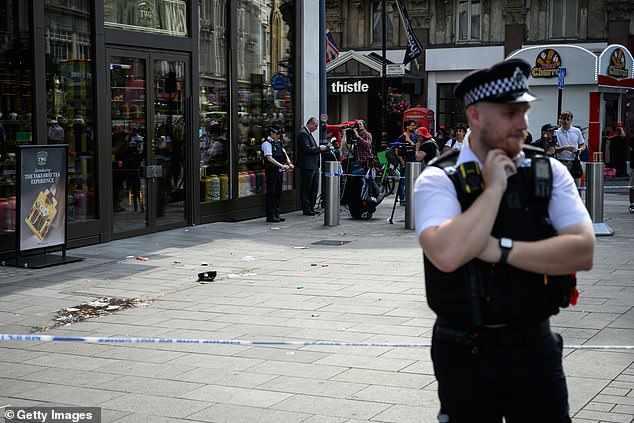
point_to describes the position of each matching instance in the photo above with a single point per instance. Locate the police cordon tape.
(608, 187)
(579, 188)
(121, 340)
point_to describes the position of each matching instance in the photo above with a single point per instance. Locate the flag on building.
(414, 48)
(331, 48)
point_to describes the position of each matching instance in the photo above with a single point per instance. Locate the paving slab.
(368, 290)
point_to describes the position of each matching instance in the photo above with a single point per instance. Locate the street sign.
(560, 79)
(395, 69)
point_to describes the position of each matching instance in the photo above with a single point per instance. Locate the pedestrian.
(546, 142)
(364, 142)
(456, 143)
(426, 148)
(570, 142)
(502, 228)
(618, 150)
(308, 162)
(404, 154)
(277, 162)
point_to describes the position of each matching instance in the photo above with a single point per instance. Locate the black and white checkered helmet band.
(518, 82)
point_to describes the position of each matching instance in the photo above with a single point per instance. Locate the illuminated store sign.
(547, 64)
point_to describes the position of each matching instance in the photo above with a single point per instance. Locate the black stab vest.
(510, 295)
(277, 152)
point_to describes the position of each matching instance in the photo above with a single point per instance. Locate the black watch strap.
(506, 245)
(505, 255)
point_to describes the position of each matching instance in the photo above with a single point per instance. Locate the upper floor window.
(377, 22)
(160, 16)
(564, 19)
(468, 20)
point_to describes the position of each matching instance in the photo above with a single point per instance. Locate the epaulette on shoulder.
(445, 159)
(531, 150)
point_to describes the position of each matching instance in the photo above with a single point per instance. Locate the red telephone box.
(422, 116)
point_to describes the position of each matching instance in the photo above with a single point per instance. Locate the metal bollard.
(412, 170)
(594, 195)
(331, 214)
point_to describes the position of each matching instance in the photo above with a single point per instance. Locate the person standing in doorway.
(308, 162)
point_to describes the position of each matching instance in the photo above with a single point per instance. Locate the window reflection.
(69, 101)
(160, 16)
(16, 100)
(215, 151)
(265, 76)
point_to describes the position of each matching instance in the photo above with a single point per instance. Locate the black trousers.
(274, 180)
(308, 188)
(524, 384)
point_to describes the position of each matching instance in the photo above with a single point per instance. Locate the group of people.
(277, 161)
(565, 143)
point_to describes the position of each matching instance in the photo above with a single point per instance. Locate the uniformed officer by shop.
(502, 228)
(277, 162)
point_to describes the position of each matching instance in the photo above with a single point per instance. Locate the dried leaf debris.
(100, 307)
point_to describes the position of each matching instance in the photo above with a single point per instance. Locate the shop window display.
(69, 101)
(213, 136)
(16, 88)
(265, 78)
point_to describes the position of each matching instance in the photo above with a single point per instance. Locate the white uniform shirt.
(436, 201)
(267, 148)
(573, 136)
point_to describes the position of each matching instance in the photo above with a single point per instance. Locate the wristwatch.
(506, 245)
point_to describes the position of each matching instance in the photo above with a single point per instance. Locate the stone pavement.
(274, 283)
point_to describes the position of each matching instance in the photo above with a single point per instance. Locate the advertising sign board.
(41, 208)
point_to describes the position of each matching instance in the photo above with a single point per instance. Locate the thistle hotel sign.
(358, 86)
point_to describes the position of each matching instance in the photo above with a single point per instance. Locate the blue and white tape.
(122, 340)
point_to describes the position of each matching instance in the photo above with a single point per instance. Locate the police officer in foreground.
(276, 163)
(502, 228)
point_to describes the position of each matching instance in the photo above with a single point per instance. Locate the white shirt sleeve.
(267, 149)
(565, 207)
(435, 199)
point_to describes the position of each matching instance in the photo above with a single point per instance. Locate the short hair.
(409, 122)
(566, 114)
(312, 119)
(461, 126)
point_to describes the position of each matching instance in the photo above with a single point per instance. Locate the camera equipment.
(351, 137)
(404, 148)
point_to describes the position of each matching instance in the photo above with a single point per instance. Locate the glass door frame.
(150, 57)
